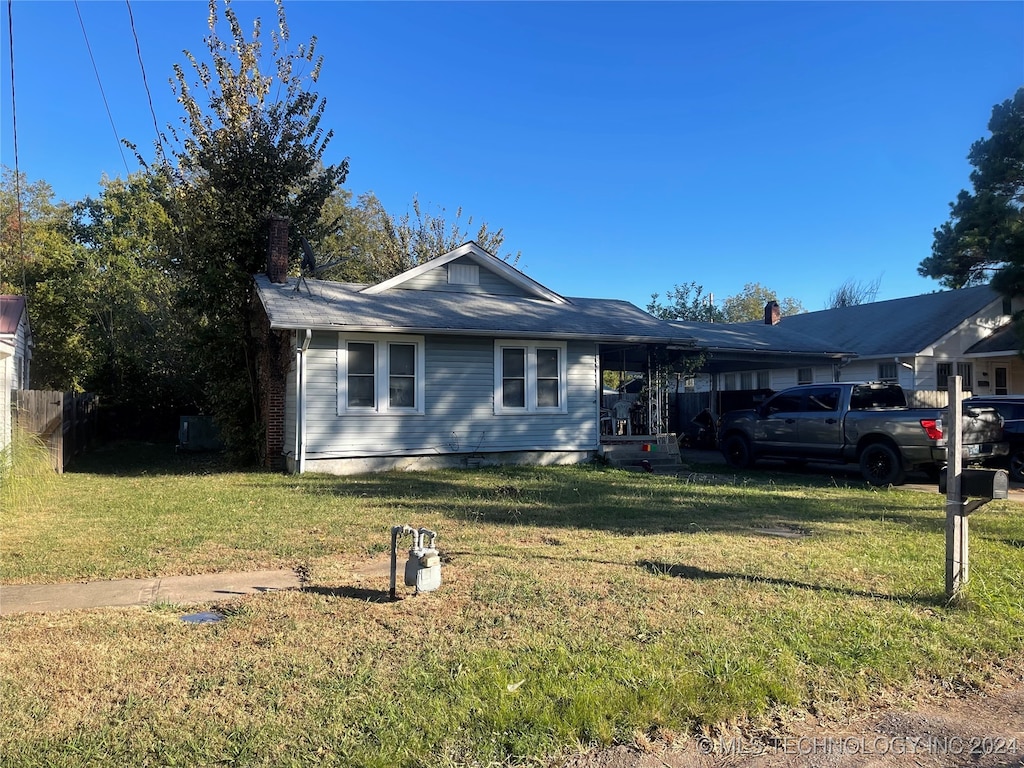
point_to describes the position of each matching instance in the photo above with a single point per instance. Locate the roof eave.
(605, 338)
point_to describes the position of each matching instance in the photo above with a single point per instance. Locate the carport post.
(956, 512)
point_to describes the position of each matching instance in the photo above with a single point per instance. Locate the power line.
(145, 83)
(100, 84)
(14, 136)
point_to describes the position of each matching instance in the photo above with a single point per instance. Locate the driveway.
(916, 481)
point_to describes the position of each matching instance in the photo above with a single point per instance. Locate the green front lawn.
(580, 606)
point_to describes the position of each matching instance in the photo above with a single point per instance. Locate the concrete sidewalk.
(204, 588)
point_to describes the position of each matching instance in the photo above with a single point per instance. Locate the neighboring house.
(460, 361)
(15, 358)
(918, 342)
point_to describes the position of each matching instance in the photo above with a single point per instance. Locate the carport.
(744, 347)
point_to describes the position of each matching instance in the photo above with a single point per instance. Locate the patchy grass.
(580, 606)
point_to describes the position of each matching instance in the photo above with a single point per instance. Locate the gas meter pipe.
(397, 531)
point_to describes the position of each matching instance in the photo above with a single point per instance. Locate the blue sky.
(623, 147)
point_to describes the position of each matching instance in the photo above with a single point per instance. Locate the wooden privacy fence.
(64, 421)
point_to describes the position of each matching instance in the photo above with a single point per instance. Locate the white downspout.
(300, 402)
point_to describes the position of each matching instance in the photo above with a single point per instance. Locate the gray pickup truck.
(869, 424)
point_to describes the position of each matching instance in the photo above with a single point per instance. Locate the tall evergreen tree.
(983, 240)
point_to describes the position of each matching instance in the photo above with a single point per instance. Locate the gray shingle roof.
(895, 327)
(340, 307)
(1004, 340)
(11, 310)
(758, 337)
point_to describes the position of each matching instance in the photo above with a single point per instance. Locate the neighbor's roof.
(11, 310)
(324, 305)
(748, 346)
(758, 337)
(1005, 339)
(895, 327)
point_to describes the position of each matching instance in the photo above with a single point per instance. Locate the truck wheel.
(737, 452)
(1017, 466)
(881, 465)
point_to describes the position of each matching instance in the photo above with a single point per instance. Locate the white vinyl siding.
(452, 278)
(458, 406)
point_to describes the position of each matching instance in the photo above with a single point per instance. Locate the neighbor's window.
(529, 377)
(763, 380)
(964, 370)
(805, 376)
(729, 381)
(380, 374)
(887, 372)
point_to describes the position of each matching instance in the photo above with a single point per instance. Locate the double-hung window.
(529, 377)
(964, 370)
(380, 374)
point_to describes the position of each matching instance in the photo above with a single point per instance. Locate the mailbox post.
(966, 490)
(956, 519)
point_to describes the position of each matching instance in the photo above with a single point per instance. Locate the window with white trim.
(964, 370)
(380, 374)
(887, 372)
(529, 377)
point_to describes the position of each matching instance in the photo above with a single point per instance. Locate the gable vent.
(463, 274)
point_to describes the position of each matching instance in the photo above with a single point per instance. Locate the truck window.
(877, 396)
(783, 403)
(823, 399)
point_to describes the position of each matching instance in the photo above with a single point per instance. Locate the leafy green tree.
(983, 239)
(367, 244)
(687, 302)
(255, 149)
(130, 288)
(748, 305)
(40, 260)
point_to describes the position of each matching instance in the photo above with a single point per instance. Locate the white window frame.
(964, 370)
(530, 347)
(381, 374)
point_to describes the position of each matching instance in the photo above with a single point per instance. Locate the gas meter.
(423, 567)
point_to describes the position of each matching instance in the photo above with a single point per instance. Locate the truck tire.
(1016, 465)
(880, 464)
(737, 453)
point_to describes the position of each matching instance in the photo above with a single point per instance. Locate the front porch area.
(657, 454)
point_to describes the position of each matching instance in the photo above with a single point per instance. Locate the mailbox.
(980, 483)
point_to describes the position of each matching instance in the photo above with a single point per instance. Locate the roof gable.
(466, 253)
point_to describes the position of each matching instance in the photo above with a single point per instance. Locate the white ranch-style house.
(460, 361)
(917, 342)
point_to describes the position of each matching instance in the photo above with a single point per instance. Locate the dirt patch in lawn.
(940, 730)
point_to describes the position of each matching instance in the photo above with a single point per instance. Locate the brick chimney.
(277, 249)
(772, 314)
